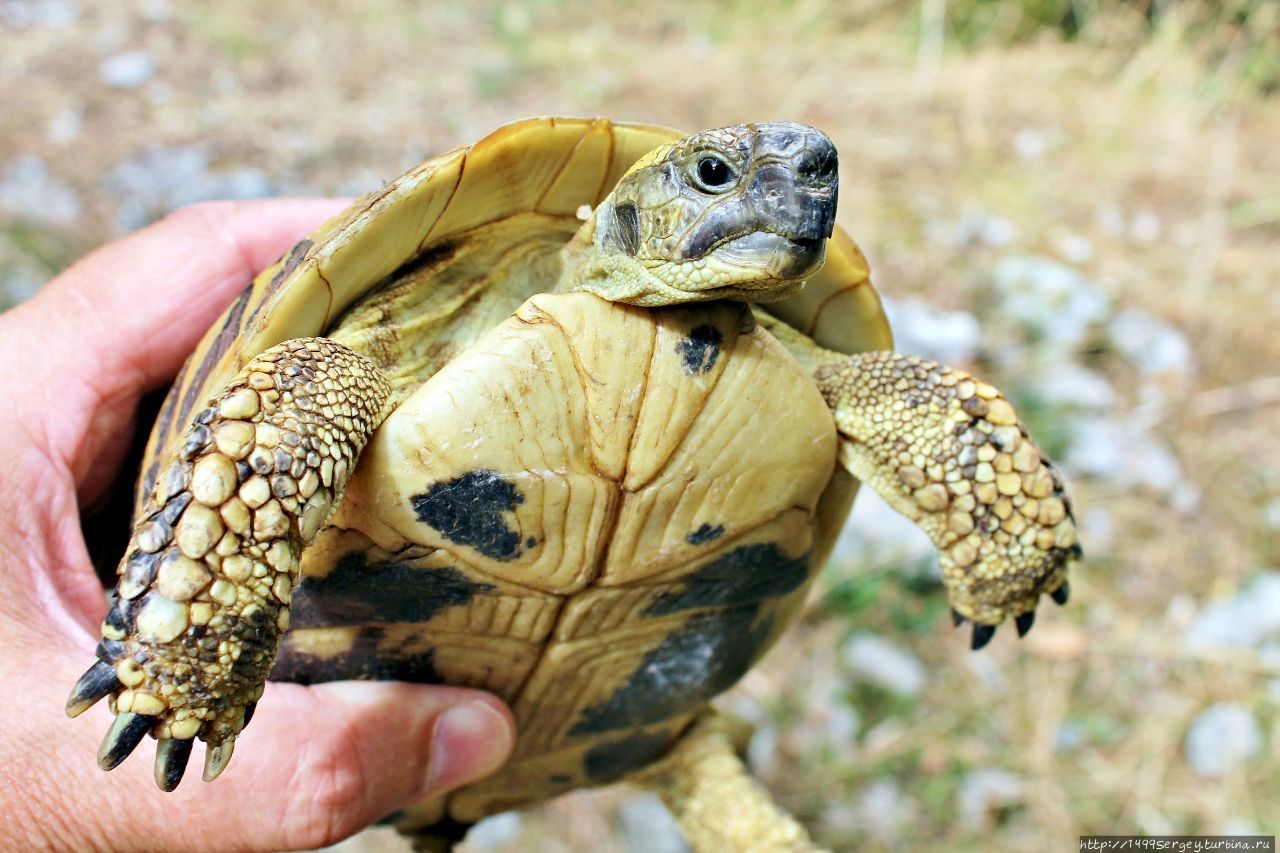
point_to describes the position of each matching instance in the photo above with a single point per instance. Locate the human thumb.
(316, 765)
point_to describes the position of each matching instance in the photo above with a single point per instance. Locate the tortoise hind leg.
(205, 585)
(713, 796)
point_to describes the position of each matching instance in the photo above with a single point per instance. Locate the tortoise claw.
(1024, 622)
(97, 681)
(1062, 594)
(171, 761)
(248, 714)
(982, 635)
(956, 618)
(216, 758)
(122, 738)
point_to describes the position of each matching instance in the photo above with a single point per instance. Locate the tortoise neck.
(589, 263)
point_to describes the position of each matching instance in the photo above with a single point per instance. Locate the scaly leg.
(203, 597)
(948, 451)
(713, 796)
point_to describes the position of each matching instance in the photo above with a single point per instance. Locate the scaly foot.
(203, 597)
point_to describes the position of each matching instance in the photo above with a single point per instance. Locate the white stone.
(951, 337)
(982, 792)
(21, 14)
(876, 535)
(1145, 227)
(28, 190)
(158, 179)
(127, 70)
(1243, 621)
(1065, 384)
(648, 826)
(65, 126)
(880, 662)
(1051, 301)
(883, 811)
(1122, 452)
(1221, 739)
(1029, 143)
(495, 832)
(1075, 248)
(1151, 344)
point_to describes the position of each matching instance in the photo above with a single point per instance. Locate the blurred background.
(1077, 199)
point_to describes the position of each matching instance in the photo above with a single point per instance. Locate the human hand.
(320, 762)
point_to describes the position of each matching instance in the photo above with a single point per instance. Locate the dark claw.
(982, 635)
(122, 738)
(1024, 622)
(1062, 594)
(216, 757)
(248, 714)
(171, 761)
(956, 619)
(99, 680)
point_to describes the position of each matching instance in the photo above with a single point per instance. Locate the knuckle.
(327, 798)
(203, 213)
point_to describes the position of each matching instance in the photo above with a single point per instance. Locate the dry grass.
(332, 97)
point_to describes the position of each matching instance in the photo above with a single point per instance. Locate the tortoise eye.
(714, 174)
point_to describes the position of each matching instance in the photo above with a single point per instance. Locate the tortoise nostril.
(818, 163)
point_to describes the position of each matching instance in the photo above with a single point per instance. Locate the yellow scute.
(583, 442)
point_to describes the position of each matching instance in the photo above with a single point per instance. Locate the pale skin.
(320, 762)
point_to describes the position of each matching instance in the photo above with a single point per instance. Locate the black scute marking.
(628, 220)
(701, 349)
(469, 510)
(705, 533)
(364, 660)
(703, 658)
(291, 261)
(359, 591)
(747, 574)
(231, 328)
(616, 758)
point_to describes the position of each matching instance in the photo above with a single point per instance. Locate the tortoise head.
(740, 212)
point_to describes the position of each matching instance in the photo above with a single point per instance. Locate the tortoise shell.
(528, 179)
(602, 513)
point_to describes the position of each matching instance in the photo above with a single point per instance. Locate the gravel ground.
(1094, 226)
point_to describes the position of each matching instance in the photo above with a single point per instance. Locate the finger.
(316, 765)
(131, 312)
(122, 320)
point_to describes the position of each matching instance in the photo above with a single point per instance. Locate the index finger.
(131, 312)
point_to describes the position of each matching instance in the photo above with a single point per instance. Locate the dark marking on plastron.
(704, 534)
(705, 657)
(748, 574)
(359, 591)
(628, 220)
(617, 758)
(701, 349)
(368, 659)
(469, 510)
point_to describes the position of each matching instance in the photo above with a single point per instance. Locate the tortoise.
(572, 414)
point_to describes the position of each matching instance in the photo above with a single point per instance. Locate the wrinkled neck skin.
(595, 263)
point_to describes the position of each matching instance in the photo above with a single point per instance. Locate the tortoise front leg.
(203, 597)
(948, 451)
